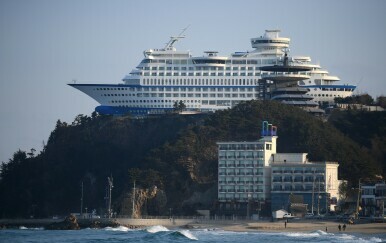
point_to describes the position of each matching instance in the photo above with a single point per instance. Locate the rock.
(69, 223)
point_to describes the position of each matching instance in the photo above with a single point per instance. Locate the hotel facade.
(253, 176)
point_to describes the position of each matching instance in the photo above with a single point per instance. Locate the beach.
(294, 226)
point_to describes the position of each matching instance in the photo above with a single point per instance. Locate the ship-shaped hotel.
(211, 82)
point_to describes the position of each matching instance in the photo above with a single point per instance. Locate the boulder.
(69, 223)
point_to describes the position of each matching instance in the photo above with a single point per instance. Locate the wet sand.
(303, 226)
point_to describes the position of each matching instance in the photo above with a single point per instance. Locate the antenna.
(174, 39)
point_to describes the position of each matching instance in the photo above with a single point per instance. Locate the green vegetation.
(363, 99)
(178, 154)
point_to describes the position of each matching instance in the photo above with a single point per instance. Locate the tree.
(381, 101)
(179, 106)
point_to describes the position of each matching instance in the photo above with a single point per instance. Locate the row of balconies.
(241, 157)
(297, 189)
(297, 172)
(241, 173)
(317, 180)
(240, 190)
(240, 182)
(240, 165)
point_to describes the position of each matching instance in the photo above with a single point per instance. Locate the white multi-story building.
(244, 171)
(373, 198)
(255, 172)
(316, 182)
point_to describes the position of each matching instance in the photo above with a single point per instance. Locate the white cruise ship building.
(204, 83)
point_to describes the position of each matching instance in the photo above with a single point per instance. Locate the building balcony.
(277, 172)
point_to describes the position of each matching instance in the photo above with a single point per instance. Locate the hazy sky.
(45, 44)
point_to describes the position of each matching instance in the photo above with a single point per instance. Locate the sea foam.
(187, 234)
(156, 228)
(119, 228)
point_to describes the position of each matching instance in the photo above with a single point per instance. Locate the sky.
(46, 44)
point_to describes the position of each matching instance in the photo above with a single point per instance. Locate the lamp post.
(359, 194)
(249, 199)
(81, 200)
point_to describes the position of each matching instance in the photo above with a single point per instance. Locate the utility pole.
(133, 197)
(313, 189)
(359, 194)
(81, 201)
(318, 195)
(110, 181)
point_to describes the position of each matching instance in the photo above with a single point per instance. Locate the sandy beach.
(297, 226)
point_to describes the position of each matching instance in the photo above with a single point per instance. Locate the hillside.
(178, 154)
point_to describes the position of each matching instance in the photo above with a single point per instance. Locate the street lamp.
(249, 199)
(359, 194)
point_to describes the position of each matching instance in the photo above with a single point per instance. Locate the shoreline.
(306, 225)
(301, 226)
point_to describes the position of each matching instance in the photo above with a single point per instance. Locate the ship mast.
(174, 39)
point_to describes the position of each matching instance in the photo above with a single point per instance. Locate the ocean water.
(162, 234)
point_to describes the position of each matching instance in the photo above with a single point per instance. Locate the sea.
(163, 234)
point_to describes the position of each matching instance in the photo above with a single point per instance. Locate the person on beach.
(340, 227)
(285, 224)
(344, 227)
(326, 229)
